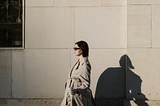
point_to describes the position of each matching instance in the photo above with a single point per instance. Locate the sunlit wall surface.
(123, 37)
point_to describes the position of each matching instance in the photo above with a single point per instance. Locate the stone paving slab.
(57, 102)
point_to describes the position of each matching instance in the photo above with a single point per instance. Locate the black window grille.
(11, 23)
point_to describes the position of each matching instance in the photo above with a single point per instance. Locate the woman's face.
(77, 50)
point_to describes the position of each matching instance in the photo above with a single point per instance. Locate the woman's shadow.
(121, 83)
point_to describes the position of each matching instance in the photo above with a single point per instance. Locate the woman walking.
(77, 92)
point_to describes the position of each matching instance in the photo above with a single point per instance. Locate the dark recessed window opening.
(11, 23)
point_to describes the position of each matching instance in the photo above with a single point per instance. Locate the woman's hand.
(73, 91)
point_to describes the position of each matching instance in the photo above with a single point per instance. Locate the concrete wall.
(143, 46)
(112, 29)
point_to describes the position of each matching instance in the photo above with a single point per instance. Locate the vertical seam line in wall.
(24, 13)
(74, 23)
(126, 26)
(151, 26)
(126, 49)
(101, 3)
(70, 57)
(11, 74)
(126, 77)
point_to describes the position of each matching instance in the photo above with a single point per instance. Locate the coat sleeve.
(84, 77)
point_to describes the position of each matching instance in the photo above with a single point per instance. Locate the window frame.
(23, 30)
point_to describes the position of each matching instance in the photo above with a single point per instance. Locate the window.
(11, 19)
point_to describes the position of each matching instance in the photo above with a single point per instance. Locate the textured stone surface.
(139, 26)
(40, 2)
(50, 27)
(57, 102)
(141, 103)
(54, 102)
(155, 26)
(114, 2)
(109, 102)
(5, 73)
(77, 2)
(29, 102)
(40, 73)
(143, 81)
(143, 1)
(100, 29)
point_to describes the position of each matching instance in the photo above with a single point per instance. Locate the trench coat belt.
(71, 79)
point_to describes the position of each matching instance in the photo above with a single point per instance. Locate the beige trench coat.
(79, 78)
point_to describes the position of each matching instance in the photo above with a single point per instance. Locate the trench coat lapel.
(70, 70)
(81, 63)
(84, 59)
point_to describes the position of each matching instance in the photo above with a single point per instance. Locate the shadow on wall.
(113, 84)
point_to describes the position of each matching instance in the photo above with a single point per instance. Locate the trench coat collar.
(84, 59)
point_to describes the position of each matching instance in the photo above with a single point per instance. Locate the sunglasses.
(76, 48)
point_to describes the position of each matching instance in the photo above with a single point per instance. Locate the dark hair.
(84, 47)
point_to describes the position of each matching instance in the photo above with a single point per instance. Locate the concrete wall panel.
(40, 2)
(102, 27)
(155, 25)
(50, 27)
(114, 2)
(40, 73)
(5, 73)
(143, 81)
(77, 2)
(143, 1)
(139, 26)
(18, 73)
(107, 79)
